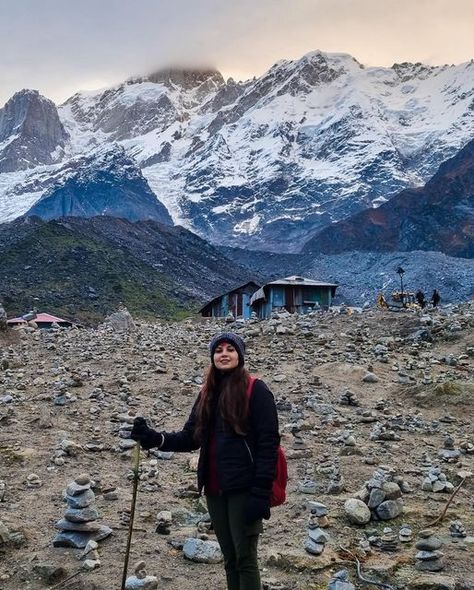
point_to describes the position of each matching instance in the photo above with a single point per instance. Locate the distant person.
(420, 298)
(381, 302)
(435, 298)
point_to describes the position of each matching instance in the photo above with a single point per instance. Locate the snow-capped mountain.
(438, 216)
(269, 162)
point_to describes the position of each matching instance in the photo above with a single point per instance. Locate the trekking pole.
(136, 467)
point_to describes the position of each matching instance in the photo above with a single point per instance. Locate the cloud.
(59, 47)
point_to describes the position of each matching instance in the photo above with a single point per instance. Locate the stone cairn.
(389, 540)
(457, 530)
(436, 481)
(78, 526)
(449, 453)
(405, 534)
(336, 484)
(164, 521)
(317, 521)
(380, 499)
(141, 580)
(348, 398)
(428, 558)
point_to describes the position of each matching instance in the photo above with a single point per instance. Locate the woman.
(237, 432)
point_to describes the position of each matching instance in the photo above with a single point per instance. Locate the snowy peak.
(105, 182)
(141, 105)
(408, 71)
(31, 133)
(187, 79)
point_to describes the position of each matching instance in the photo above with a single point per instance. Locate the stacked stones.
(383, 432)
(317, 538)
(383, 494)
(33, 481)
(336, 483)
(457, 530)
(389, 540)
(428, 558)
(125, 428)
(164, 520)
(141, 580)
(449, 453)
(436, 481)
(307, 485)
(77, 527)
(405, 534)
(425, 460)
(348, 399)
(349, 441)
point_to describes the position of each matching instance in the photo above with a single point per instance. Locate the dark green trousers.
(238, 541)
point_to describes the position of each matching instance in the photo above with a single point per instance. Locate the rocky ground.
(384, 392)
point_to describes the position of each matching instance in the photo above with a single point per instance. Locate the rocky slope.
(82, 268)
(268, 162)
(438, 216)
(355, 394)
(362, 275)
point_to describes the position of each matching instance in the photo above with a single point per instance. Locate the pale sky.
(61, 46)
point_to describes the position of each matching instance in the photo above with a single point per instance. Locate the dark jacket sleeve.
(183, 440)
(264, 425)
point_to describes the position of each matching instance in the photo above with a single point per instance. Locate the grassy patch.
(84, 279)
(449, 393)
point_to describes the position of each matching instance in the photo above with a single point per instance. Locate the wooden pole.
(136, 468)
(448, 503)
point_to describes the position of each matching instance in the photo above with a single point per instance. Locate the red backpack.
(280, 481)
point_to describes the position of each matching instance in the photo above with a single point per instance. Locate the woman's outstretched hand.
(146, 436)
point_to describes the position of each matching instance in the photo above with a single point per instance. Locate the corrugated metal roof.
(260, 294)
(298, 280)
(226, 293)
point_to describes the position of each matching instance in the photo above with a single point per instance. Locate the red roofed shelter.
(42, 320)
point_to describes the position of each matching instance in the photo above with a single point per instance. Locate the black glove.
(258, 505)
(146, 436)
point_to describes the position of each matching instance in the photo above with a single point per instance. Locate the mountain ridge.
(82, 268)
(438, 216)
(268, 163)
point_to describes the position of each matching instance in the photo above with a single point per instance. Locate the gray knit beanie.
(231, 338)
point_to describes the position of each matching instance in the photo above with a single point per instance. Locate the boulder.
(202, 551)
(357, 511)
(389, 509)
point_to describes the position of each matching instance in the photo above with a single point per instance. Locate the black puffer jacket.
(242, 461)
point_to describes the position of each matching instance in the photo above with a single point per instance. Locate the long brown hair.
(233, 401)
